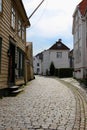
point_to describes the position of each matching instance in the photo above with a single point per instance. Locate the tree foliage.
(52, 69)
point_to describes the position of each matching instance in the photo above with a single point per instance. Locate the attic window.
(59, 45)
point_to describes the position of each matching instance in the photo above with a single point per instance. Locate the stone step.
(14, 87)
(18, 90)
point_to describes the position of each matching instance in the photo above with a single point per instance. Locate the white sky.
(53, 20)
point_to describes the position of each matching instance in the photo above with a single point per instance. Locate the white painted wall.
(62, 62)
(51, 56)
(46, 61)
(36, 60)
(80, 49)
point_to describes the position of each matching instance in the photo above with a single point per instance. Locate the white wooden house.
(37, 63)
(79, 31)
(58, 54)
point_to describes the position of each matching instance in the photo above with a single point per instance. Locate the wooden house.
(13, 24)
(79, 31)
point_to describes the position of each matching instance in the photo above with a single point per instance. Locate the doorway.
(11, 64)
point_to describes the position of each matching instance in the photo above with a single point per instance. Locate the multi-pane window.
(13, 18)
(20, 63)
(23, 33)
(0, 52)
(19, 28)
(79, 31)
(0, 5)
(77, 55)
(59, 55)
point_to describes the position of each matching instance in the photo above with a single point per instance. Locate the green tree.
(52, 69)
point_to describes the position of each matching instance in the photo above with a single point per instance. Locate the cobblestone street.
(45, 104)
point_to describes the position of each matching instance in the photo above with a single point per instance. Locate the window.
(23, 33)
(0, 52)
(38, 70)
(13, 18)
(0, 5)
(58, 45)
(37, 64)
(59, 55)
(20, 63)
(19, 28)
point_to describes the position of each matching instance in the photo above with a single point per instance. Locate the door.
(12, 64)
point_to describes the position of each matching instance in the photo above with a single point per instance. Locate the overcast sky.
(52, 21)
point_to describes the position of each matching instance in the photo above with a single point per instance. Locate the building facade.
(58, 54)
(80, 40)
(38, 63)
(13, 24)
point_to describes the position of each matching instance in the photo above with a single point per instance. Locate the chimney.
(60, 40)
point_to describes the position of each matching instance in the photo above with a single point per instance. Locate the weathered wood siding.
(6, 32)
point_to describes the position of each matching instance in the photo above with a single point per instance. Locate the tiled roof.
(83, 6)
(59, 46)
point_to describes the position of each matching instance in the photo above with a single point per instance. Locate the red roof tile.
(83, 6)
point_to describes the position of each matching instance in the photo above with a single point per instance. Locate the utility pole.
(36, 9)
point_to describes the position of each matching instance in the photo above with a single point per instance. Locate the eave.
(21, 9)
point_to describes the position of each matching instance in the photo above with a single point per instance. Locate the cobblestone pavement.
(46, 104)
(78, 85)
(80, 94)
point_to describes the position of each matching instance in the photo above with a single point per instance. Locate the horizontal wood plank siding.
(6, 32)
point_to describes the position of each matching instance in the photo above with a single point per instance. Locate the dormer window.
(0, 6)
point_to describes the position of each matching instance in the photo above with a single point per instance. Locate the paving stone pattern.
(46, 104)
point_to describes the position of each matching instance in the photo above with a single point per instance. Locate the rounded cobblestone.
(46, 104)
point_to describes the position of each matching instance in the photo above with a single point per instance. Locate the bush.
(52, 69)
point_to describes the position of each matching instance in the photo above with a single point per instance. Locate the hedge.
(64, 72)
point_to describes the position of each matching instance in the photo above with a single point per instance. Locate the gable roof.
(83, 6)
(59, 46)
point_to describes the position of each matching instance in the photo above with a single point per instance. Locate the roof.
(22, 11)
(40, 55)
(83, 6)
(59, 46)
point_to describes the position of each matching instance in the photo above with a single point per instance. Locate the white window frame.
(13, 18)
(19, 28)
(23, 33)
(59, 55)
